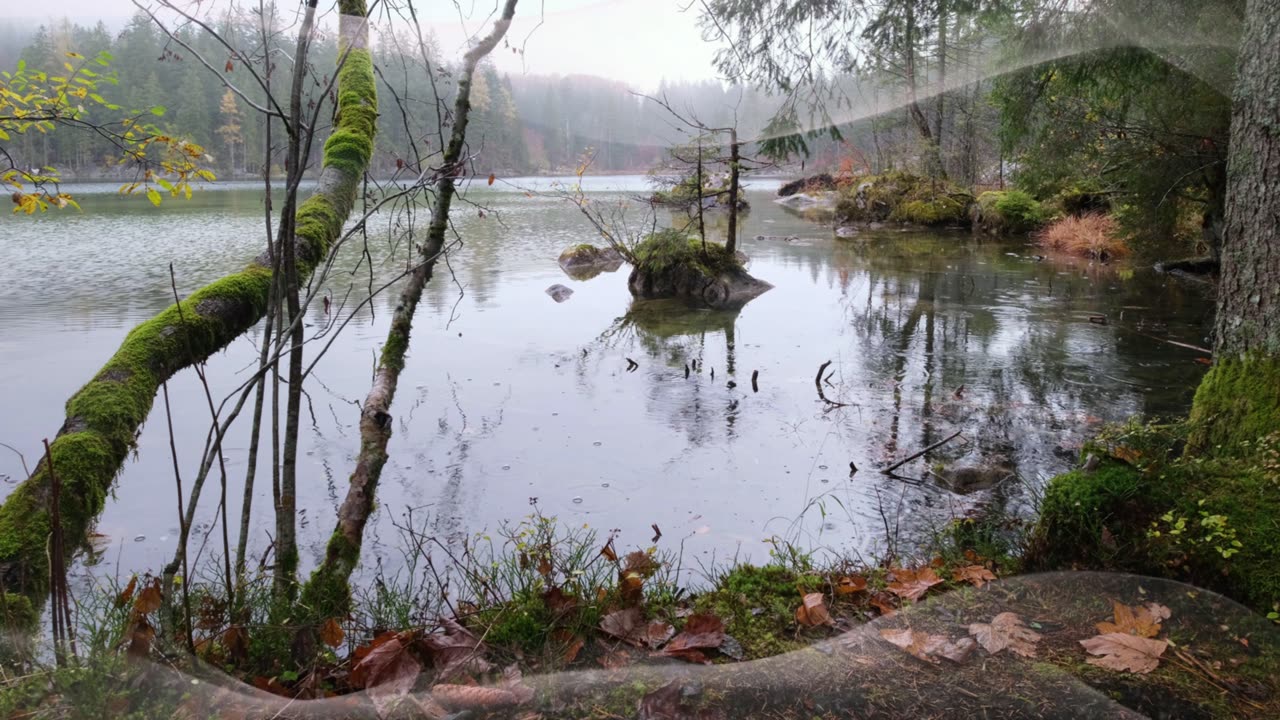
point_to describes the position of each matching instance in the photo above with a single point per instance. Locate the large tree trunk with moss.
(1239, 400)
(328, 593)
(104, 417)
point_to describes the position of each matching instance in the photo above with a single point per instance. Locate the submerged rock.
(585, 261)
(559, 292)
(971, 477)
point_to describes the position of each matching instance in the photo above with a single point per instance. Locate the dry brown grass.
(1093, 235)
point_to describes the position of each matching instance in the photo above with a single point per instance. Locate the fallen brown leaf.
(455, 650)
(813, 611)
(913, 584)
(571, 644)
(702, 631)
(1006, 630)
(883, 602)
(928, 647)
(850, 584)
(1139, 620)
(558, 602)
(974, 574)
(624, 624)
(1125, 652)
(390, 666)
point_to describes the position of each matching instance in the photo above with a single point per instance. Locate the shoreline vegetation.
(1072, 222)
(546, 619)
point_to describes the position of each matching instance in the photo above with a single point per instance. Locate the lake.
(509, 397)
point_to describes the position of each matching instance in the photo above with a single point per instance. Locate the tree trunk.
(1239, 400)
(105, 415)
(731, 243)
(327, 594)
(913, 101)
(939, 107)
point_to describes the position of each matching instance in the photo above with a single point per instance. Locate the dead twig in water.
(817, 382)
(889, 470)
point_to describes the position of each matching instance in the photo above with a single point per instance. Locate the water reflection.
(508, 395)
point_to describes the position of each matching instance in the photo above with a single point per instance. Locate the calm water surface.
(509, 396)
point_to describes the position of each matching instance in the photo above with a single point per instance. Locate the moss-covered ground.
(904, 198)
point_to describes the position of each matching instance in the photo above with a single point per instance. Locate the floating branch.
(889, 470)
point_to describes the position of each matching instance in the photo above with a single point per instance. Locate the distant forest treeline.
(519, 124)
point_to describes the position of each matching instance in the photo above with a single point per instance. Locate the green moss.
(1209, 519)
(758, 606)
(1238, 401)
(1009, 211)
(1077, 506)
(669, 248)
(903, 197)
(941, 210)
(18, 614)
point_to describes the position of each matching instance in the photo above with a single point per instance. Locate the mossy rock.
(904, 198)
(669, 264)
(1169, 510)
(1087, 515)
(822, 182)
(1004, 212)
(585, 261)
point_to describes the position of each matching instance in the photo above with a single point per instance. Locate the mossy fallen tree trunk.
(327, 594)
(103, 417)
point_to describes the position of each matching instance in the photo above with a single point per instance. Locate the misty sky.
(637, 41)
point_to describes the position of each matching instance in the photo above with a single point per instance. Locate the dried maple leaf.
(127, 594)
(640, 562)
(1139, 620)
(813, 611)
(148, 601)
(331, 633)
(974, 574)
(571, 644)
(1125, 652)
(850, 584)
(390, 664)
(1006, 630)
(913, 584)
(883, 602)
(929, 647)
(454, 651)
(624, 624)
(559, 602)
(608, 552)
(702, 631)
